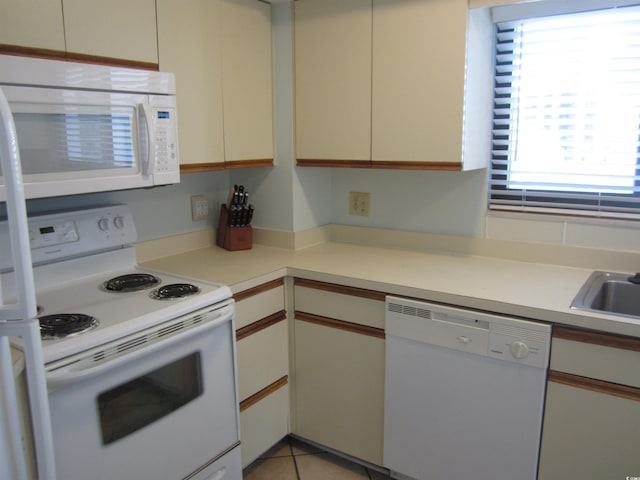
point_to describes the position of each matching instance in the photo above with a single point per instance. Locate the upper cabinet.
(36, 24)
(382, 83)
(333, 81)
(220, 52)
(189, 41)
(118, 31)
(247, 83)
(124, 29)
(418, 81)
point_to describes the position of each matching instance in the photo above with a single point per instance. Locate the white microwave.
(88, 128)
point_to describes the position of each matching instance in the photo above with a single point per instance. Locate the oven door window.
(143, 400)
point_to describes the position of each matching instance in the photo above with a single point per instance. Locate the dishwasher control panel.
(492, 335)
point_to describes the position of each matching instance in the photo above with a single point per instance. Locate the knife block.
(233, 238)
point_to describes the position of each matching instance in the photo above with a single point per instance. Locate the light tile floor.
(292, 459)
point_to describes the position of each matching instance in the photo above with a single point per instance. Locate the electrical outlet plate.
(199, 208)
(359, 203)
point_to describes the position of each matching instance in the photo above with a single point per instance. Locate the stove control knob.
(119, 222)
(103, 224)
(519, 350)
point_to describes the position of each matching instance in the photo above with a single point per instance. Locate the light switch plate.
(199, 208)
(359, 203)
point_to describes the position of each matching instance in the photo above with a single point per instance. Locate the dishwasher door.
(464, 393)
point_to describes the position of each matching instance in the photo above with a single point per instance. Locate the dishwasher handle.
(450, 332)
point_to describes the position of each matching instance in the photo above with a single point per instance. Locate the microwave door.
(78, 142)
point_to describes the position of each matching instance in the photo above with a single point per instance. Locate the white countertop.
(530, 290)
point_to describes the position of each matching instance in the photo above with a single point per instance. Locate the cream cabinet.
(247, 83)
(333, 80)
(123, 29)
(592, 409)
(220, 52)
(339, 368)
(117, 31)
(418, 81)
(382, 84)
(190, 45)
(36, 24)
(263, 368)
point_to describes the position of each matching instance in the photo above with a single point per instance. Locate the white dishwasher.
(464, 393)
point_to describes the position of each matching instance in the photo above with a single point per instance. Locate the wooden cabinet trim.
(594, 385)
(261, 324)
(258, 162)
(389, 165)
(401, 165)
(340, 324)
(32, 52)
(263, 393)
(258, 289)
(211, 166)
(597, 338)
(319, 162)
(200, 167)
(343, 289)
(75, 57)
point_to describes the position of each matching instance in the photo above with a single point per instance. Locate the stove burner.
(65, 324)
(174, 291)
(132, 282)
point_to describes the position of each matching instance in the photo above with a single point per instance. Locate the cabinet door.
(339, 368)
(122, 29)
(189, 42)
(418, 81)
(340, 389)
(247, 83)
(36, 24)
(333, 80)
(589, 435)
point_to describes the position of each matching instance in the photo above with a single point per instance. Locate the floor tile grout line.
(295, 464)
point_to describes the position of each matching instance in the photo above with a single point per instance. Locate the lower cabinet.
(592, 412)
(263, 368)
(339, 368)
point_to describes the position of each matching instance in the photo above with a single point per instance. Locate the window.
(566, 120)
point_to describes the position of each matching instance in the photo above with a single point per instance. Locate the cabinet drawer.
(263, 357)
(596, 355)
(259, 302)
(365, 307)
(264, 423)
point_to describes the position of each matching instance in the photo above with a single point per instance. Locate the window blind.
(566, 120)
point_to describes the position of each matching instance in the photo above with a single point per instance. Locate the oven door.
(164, 410)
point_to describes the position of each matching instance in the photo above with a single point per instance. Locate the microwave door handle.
(146, 114)
(63, 377)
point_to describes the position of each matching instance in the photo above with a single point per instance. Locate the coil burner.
(131, 282)
(66, 324)
(174, 291)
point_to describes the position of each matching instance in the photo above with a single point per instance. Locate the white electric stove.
(138, 361)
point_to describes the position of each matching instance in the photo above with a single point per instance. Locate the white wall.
(451, 203)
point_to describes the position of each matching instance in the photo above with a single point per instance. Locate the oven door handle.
(68, 375)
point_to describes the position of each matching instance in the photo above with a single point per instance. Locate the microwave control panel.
(166, 144)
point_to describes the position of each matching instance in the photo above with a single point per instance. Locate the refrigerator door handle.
(17, 216)
(17, 320)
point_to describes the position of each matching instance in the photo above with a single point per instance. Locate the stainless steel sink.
(612, 293)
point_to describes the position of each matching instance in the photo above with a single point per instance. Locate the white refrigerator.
(17, 319)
